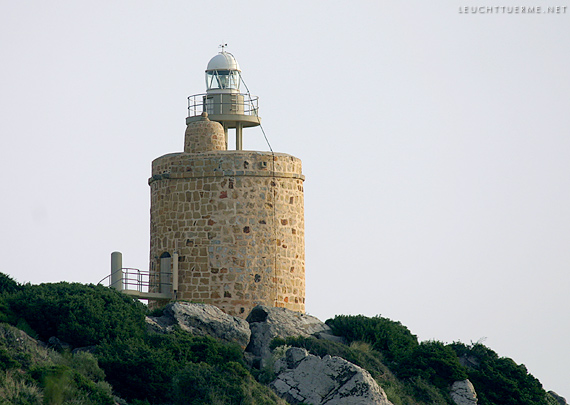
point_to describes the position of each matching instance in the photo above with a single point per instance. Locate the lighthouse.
(227, 226)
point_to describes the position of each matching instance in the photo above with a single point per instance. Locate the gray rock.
(330, 336)
(463, 393)
(304, 378)
(201, 320)
(469, 361)
(57, 344)
(160, 324)
(20, 344)
(268, 323)
(84, 349)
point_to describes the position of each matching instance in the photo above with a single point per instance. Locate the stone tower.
(227, 226)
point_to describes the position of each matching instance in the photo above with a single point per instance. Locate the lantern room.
(223, 74)
(223, 100)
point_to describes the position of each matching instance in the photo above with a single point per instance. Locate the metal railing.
(142, 281)
(245, 104)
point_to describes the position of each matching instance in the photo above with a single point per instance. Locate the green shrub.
(8, 285)
(63, 385)
(143, 368)
(25, 327)
(56, 382)
(16, 390)
(81, 315)
(426, 393)
(434, 362)
(94, 393)
(182, 368)
(227, 383)
(85, 364)
(6, 315)
(424, 370)
(7, 361)
(35, 372)
(157, 312)
(390, 338)
(499, 380)
(137, 370)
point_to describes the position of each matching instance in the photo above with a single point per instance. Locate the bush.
(34, 372)
(143, 368)
(227, 383)
(81, 315)
(499, 380)
(434, 362)
(7, 361)
(15, 390)
(426, 393)
(425, 370)
(390, 338)
(136, 370)
(8, 285)
(73, 379)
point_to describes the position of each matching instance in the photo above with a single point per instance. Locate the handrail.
(143, 281)
(104, 278)
(197, 104)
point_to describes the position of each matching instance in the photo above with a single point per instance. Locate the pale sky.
(435, 145)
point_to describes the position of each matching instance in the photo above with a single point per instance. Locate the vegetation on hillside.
(141, 368)
(31, 374)
(497, 380)
(415, 391)
(123, 364)
(158, 367)
(80, 315)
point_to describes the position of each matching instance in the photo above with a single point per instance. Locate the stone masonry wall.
(204, 136)
(236, 220)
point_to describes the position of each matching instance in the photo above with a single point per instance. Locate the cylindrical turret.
(204, 136)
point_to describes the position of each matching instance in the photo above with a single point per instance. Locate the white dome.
(223, 61)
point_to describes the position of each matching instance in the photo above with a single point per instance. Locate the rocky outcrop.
(21, 346)
(463, 393)
(201, 320)
(304, 378)
(268, 323)
(57, 344)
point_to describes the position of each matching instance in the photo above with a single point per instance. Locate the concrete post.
(116, 272)
(239, 137)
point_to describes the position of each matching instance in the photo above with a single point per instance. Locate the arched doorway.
(165, 269)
